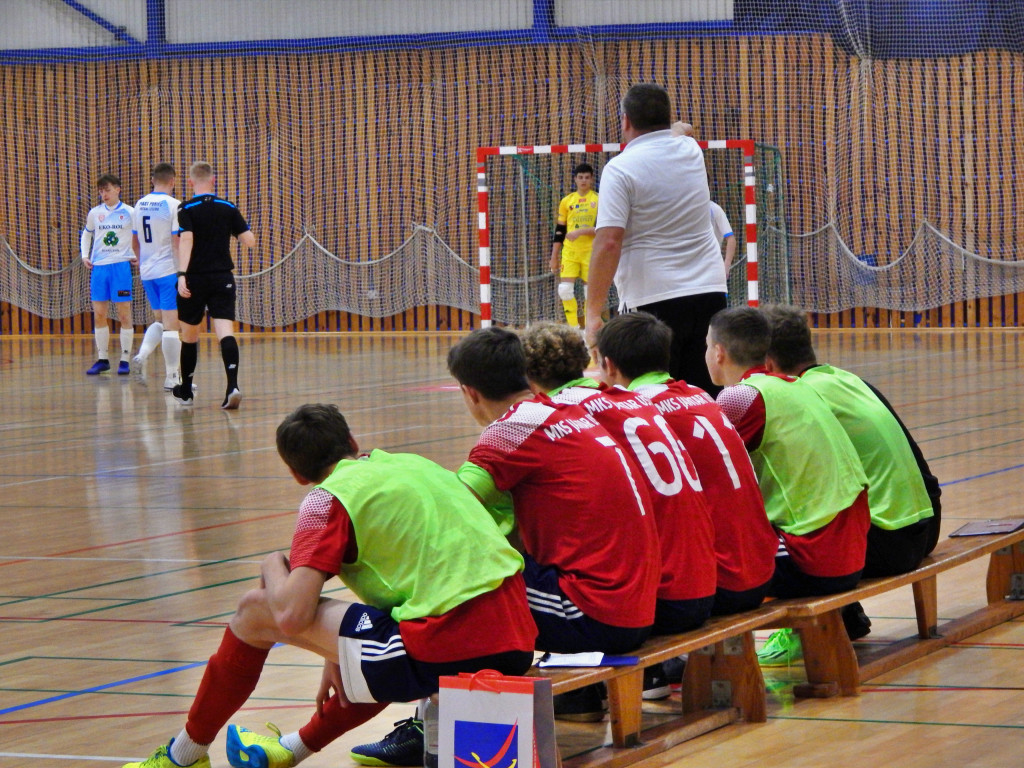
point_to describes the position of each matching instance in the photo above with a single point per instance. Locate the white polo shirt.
(657, 190)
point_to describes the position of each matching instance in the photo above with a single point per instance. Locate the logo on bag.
(364, 623)
(486, 745)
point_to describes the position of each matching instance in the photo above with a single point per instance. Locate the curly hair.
(555, 354)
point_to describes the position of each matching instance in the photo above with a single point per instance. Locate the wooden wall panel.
(359, 147)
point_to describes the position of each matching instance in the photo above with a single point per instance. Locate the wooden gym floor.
(131, 526)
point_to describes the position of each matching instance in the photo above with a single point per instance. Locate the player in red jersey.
(584, 517)
(556, 357)
(634, 350)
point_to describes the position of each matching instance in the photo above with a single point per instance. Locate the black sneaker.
(857, 623)
(673, 669)
(583, 705)
(656, 685)
(402, 747)
(184, 398)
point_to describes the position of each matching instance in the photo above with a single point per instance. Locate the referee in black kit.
(206, 280)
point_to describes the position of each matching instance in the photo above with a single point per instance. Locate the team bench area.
(723, 681)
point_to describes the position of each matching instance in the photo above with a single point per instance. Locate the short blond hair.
(200, 171)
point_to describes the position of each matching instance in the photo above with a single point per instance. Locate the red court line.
(153, 538)
(940, 689)
(181, 713)
(46, 619)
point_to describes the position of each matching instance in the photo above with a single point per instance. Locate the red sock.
(336, 720)
(229, 679)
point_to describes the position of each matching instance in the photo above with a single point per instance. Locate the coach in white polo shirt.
(654, 237)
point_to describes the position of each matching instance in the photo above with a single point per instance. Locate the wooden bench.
(722, 683)
(831, 663)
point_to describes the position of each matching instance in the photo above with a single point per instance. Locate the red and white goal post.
(483, 218)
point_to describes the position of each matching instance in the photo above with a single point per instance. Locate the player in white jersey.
(155, 240)
(106, 245)
(723, 231)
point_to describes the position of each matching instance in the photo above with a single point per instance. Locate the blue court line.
(103, 687)
(983, 474)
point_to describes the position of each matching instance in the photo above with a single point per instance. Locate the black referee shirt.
(212, 222)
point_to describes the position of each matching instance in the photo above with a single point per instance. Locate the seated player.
(584, 517)
(556, 357)
(633, 350)
(406, 537)
(902, 520)
(814, 488)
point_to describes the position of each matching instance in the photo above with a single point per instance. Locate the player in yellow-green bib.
(573, 239)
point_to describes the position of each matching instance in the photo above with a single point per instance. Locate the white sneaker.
(136, 366)
(232, 400)
(171, 380)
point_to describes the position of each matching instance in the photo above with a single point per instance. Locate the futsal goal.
(518, 190)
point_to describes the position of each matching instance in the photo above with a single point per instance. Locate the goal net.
(518, 191)
(885, 132)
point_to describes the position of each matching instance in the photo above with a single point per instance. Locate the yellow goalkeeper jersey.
(577, 211)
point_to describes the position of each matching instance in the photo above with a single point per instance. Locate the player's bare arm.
(185, 240)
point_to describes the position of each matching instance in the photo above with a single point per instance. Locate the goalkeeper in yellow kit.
(573, 239)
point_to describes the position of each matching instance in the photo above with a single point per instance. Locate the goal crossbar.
(483, 215)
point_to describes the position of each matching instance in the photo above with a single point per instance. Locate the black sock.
(229, 351)
(189, 358)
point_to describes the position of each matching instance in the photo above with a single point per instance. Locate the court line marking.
(41, 756)
(894, 722)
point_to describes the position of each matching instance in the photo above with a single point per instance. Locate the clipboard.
(989, 527)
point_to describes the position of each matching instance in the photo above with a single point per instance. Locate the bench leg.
(625, 699)
(735, 662)
(829, 657)
(696, 690)
(1006, 574)
(927, 608)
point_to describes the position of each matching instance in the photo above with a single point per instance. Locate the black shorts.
(213, 291)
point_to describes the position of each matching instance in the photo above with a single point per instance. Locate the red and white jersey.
(686, 533)
(745, 541)
(580, 506)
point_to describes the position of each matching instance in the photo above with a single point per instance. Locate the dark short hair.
(791, 347)
(637, 342)
(743, 332)
(648, 107)
(490, 360)
(108, 179)
(164, 172)
(555, 354)
(312, 438)
(583, 168)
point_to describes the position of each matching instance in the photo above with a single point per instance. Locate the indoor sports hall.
(400, 163)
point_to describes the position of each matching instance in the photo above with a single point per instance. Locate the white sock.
(102, 335)
(294, 743)
(150, 340)
(127, 334)
(184, 751)
(171, 345)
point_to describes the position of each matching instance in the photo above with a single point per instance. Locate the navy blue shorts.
(728, 601)
(562, 626)
(674, 616)
(375, 666)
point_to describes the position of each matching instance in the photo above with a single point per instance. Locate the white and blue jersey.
(111, 232)
(155, 221)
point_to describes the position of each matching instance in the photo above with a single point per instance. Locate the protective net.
(886, 135)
